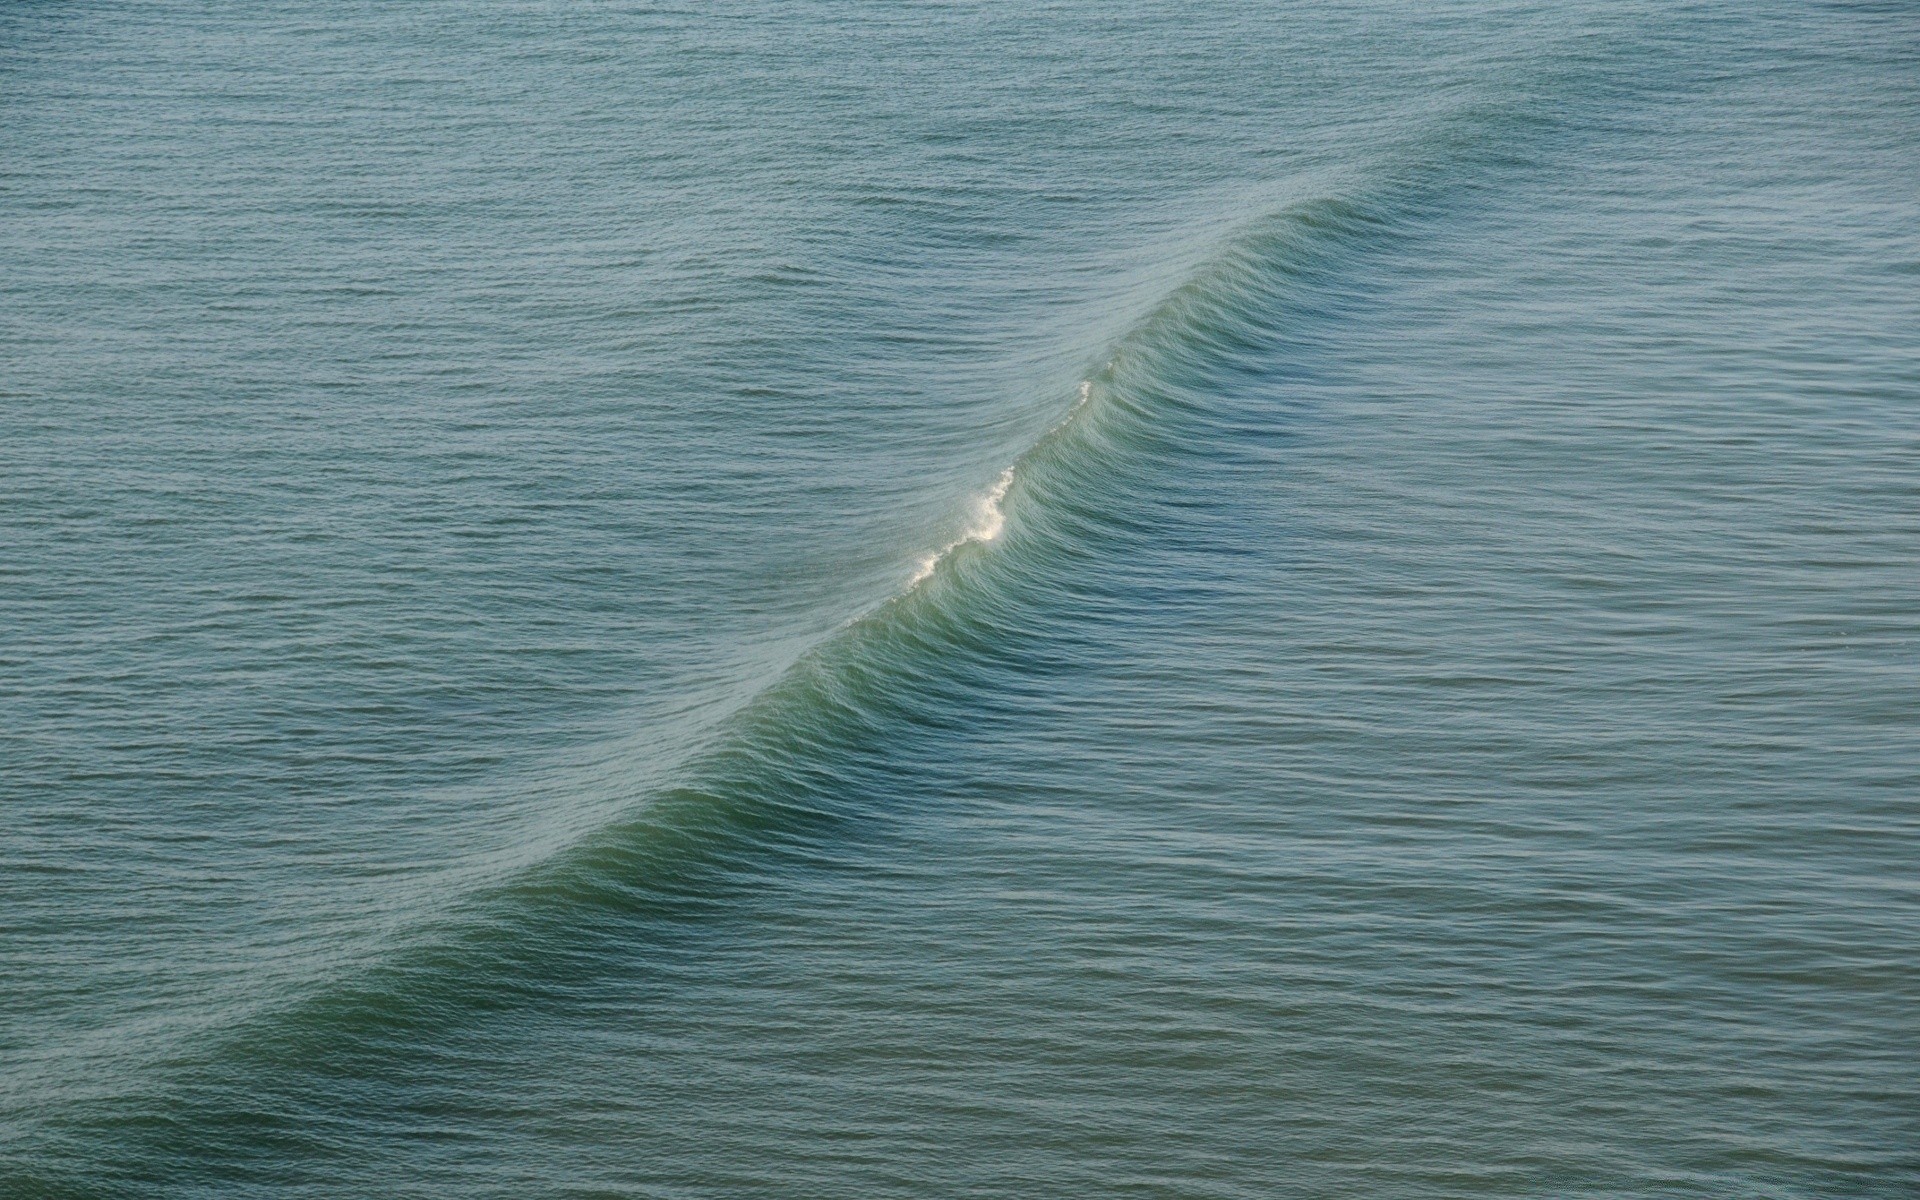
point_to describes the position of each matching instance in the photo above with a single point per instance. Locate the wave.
(792, 772)
(769, 776)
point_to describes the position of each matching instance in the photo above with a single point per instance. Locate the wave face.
(1191, 602)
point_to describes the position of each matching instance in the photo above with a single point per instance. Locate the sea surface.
(1068, 599)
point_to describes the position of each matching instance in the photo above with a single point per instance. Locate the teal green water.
(1199, 600)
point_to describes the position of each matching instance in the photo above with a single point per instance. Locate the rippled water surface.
(1201, 600)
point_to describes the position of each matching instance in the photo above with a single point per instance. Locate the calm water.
(1143, 599)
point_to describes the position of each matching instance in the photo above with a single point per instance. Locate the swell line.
(795, 770)
(768, 779)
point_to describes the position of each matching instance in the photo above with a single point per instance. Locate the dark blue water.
(823, 600)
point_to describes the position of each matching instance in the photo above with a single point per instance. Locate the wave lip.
(989, 517)
(988, 520)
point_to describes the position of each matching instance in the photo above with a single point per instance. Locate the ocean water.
(1133, 599)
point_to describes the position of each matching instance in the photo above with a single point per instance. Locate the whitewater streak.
(988, 517)
(988, 520)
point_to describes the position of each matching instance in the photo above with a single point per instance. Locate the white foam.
(988, 521)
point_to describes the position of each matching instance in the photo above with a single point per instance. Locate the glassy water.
(816, 599)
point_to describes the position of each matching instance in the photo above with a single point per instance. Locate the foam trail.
(988, 517)
(988, 520)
